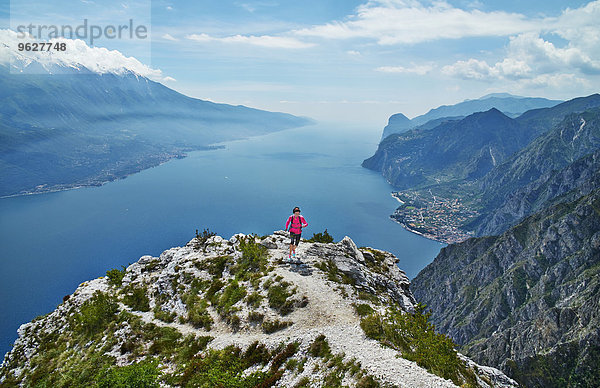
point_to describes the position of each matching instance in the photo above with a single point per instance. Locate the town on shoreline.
(436, 218)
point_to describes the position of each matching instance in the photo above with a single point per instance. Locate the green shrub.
(136, 298)
(162, 315)
(415, 337)
(115, 276)
(201, 238)
(211, 293)
(190, 346)
(324, 237)
(253, 316)
(273, 326)
(232, 294)
(223, 368)
(164, 339)
(144, 374)
(254, 258)
(214, 265)
(197, 312)
(303, 382)
(320, 347)
(278, 296)
(96, 313)
(363, 309)
(254, 299)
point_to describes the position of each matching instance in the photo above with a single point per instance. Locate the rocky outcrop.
(525, 301)
(219, 312)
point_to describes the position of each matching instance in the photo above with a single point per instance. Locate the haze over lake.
(51, 243)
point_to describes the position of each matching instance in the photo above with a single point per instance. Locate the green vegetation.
(254, 299)
(254, 258)
(363, 309)
(278, 296)
(115, 276)
(333, 273)
(144, 374)
(215, 265)
(136, 298)
(324, 237)
(201, 238)
(414, 336)
(224, 368)
(95, 313)
(320, 347)
(197, 312)
(374, 259)
(276, 325)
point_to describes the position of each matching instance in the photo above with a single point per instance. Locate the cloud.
(409, 22)
(269, 41)
(415, 69)
(535, 60)
(353, 52)
(169, 37)
(476, 69)
(528, 56)
(78, 54)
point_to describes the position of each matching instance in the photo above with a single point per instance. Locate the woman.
(295, 222)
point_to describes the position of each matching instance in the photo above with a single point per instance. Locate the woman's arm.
(288, 222)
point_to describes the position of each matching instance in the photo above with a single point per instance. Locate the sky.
(345, 61)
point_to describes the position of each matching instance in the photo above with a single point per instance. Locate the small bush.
(363, 309)
(201, 238)
(115, 276)
(96, 313)
(136, 298)
(254, 258)
(303, 382)
(215, 265)
(415, 337)
(253, 316)
(278, 296)
(324, 237)
(254, 299)
(320, 347)
(198, 314)
(276, 325)
(164, 316)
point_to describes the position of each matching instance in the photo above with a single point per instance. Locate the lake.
(50, 243)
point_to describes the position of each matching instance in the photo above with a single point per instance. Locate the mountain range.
(509, 104)
(465, 149)
(81, 128)
(523, 295)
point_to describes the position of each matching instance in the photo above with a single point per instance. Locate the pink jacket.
(296, 224)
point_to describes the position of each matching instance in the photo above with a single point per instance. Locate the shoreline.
(100, 183)
(427, 236)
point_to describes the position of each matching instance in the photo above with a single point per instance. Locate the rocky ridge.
(198, 312)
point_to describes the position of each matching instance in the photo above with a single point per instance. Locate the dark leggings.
(294, 239)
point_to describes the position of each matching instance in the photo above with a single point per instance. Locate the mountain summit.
(233, 313)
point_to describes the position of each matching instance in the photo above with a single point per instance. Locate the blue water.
(51, 243)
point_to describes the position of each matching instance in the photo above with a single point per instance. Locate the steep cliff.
(232, 313)
(526, 301)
